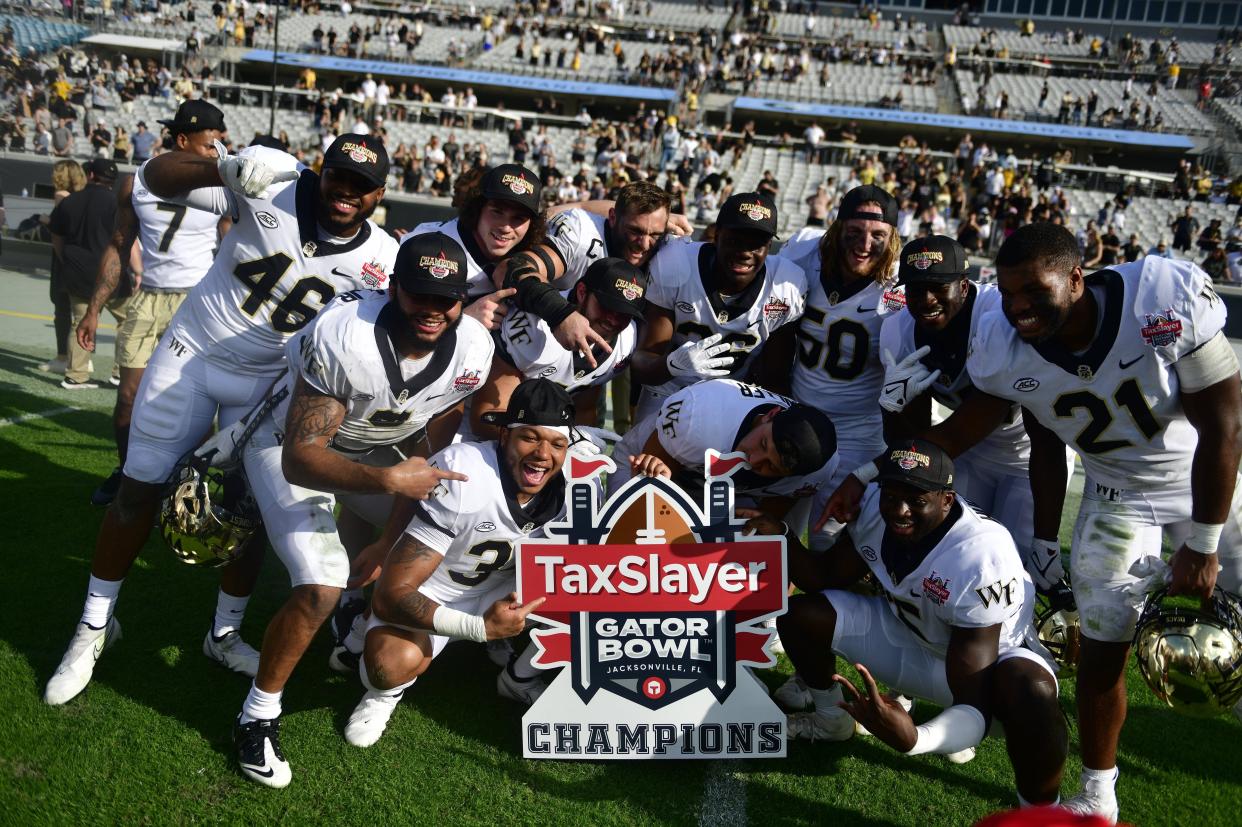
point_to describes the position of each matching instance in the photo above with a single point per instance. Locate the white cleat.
(78, 664)
(231, 652)
(963, 757)
(1088, 803)
(370, 718)
(259, 754)
(836, 725)
(793, 695)
(525, 692)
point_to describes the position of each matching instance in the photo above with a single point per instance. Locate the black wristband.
(521, 267)
(543, 300)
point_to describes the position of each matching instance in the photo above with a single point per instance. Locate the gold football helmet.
(208, 514)
(1192, 658)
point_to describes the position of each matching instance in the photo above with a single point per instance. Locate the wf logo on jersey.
(653, 606)
(1162, 329)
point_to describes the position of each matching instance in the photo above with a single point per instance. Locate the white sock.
(348, 595)
(366, 681)
(100, 601)
(1100, 781)
(260, 705)
(229, 613)
(826, 700)
(1024, 804)
(521, 666)
(357, 637)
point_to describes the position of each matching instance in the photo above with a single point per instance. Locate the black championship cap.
(432, 264)
(919, 464)
(539, 402)
(271, 142)
(618, 286)
(362, 154)
(748, 211)
(195, 116)
(515, 183)
(102, 168)
(856, 204)
(935, 258)
(805, 438)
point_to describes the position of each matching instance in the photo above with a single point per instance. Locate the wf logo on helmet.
(654, 606)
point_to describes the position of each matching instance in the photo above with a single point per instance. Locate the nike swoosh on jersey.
(337, 272)
(1124, 364)
(268, 773)
(864, 309)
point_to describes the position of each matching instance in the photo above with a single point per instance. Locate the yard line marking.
(724, 796)
(27, 417)
(43, 317)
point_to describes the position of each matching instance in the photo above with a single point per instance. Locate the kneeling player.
(952, 626)
(791, 448)
(611, 297)
(451, 574)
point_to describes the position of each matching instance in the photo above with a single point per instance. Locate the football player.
(953, 625)
(451, 573)
(791, 448)
(611, 297)
(632, 230)
(1131, 368)
(924, 350)
(177, 244)
(298, 238)
(712, 305)
(374, 374)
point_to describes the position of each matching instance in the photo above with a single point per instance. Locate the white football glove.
(594, 442)
(248, 176)
(1152, 573)
(702, 359)
(1043, 563)
(220, 450)
(905, 380)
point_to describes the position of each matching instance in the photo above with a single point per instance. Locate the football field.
(149, 740)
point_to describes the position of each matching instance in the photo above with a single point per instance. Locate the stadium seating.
(40, 34)
(848, 84)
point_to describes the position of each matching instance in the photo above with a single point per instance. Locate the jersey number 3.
(292, 312)
(493, 555)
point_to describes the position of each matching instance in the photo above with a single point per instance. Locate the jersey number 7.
(292, 312)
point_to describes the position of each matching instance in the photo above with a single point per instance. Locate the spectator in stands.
(1132, 250)
(101, 139)
(62, 139)
(814, 136)
(1184, 227)
(1161, 249)
(1110, 247)
(1093, 248)
(1233, 254)
(968, 234)
(1216, 265)
(142, 141)
(1211, 237)
(41, 143)
(120, 145)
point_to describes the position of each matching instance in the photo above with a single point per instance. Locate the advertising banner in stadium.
(654, 610)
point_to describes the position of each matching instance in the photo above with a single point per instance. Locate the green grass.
(148, 742)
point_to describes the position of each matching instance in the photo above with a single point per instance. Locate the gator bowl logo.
(632, 291)
(936, 588)
(755, 211)
(775, 309)
(467, 382)
(1162, 329)
(909, 460)
(439, 266)
(373, 275)
(359, 153)
(653, 607)
(517, 184)
(923, 259)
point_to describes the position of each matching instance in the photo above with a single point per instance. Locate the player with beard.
(298, 238)
(953, 624)
(375, 379)
(177, 245)
(451, 575)
(611, 297)
(1131, 368)
(713, 305)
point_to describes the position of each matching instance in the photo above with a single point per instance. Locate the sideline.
(28, 417)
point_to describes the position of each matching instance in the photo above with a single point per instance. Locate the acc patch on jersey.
(1162, 329)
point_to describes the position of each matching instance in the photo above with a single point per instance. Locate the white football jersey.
(527, 343)
(275, 270)
(475, 523)
(838, 368)
(178, 241)
(581, 238)
(970, 575)
(1118, 404)
(478, 267)
(348, 353)
(681, 275)
(717, 413)
(1008, 445)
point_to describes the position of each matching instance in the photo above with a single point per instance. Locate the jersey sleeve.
(802, 245)
(993, 587)
(892, 338)
(1198, 312)
(668, 270)
(215, 200)
(436, 520)
(986, 357)
(791, 281)
(565, 234)
(319, 355)
(524, 343)
(868, 512)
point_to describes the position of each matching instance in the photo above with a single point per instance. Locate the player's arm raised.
(307, 460)
(1215, 412)
(108, 276)
(530, 273)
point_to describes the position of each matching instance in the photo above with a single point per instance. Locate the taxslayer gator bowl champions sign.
(654, 611)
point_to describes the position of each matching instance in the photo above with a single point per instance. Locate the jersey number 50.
(810, 350)
(292, 312)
